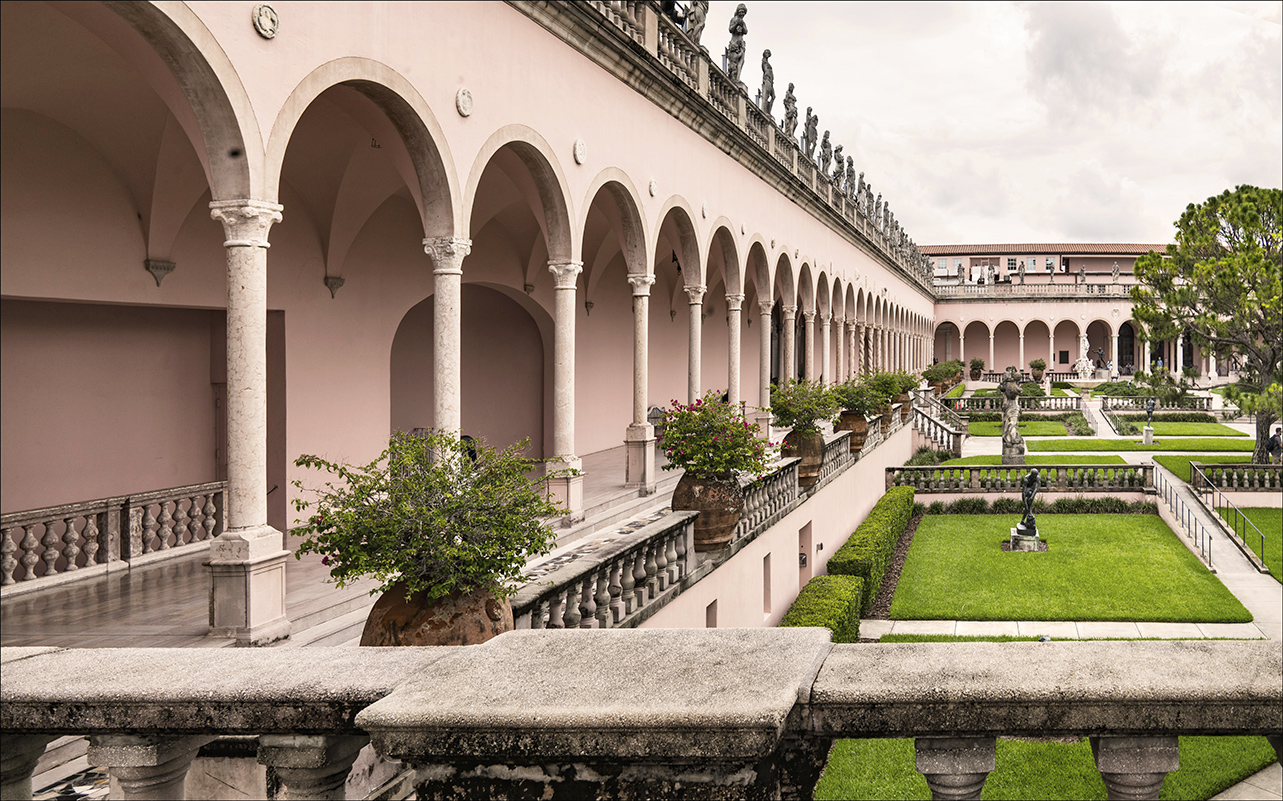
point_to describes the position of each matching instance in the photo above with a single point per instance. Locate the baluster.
(198, 516)
(617, 573)
(627, 584)
(29, 557)
(652, 571)
(572, 616)
(180, 522)
(661, 566)
(537, 613)
(70, 538)
(640, 588)
(50, 541)
(587, 604)
(670, 557)
(681, 551)
(603, 610)
(149, 529)
(166, 526)
(556, 610)
(8, 563)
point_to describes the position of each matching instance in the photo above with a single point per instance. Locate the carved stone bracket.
(565, 273)
(158, 268)
(334, 284)
(641, 284)
(447, 253)
(246, 222)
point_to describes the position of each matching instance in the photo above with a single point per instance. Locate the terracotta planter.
(720, 503)
(885, 419)
(1038, 375)
(858, 425)
(905, 406)
(457, 619)
(975, 375)
(809, 446)
(938, 388)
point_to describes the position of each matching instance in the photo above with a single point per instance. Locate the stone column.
(962, 352)
(853, 342)
(1178, 355)
(790, 343)
(1113, 356)
(733, 302)
(695, 299)
(447, 254)
(1135, 767)
(146, 767)
(764, 368)
(992, 366)
(955, 768)
(808, 363)
(17, 762)
(247, 561)
(1142, 358)
(311, 766)
(639, 440)
(826, 351)
(568, 490)
(839, 374)
(1022, 364)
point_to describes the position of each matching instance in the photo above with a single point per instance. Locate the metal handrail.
(1219, 502)
(1185, 515)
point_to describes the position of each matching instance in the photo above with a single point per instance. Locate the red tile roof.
(1071, 249)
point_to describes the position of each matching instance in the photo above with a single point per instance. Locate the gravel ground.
(881, 609)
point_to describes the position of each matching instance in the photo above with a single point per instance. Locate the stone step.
(343, 629)
(616, 513)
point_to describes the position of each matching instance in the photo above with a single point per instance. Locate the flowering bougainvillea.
(710, 438)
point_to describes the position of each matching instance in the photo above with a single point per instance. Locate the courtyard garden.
(1194, 445)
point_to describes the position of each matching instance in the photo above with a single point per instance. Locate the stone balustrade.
(1236, 477)
(1004, 291)
(837, 457)
(85, 539)
(938, 433)
(1129, 403)
(619, 585)
(1008, 478)
(769, 498)
(994, 403)
(724, 713)
(874, 437)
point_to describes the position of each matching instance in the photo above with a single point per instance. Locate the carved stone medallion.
(463, 102)
(266, 22)
(654, 187)
(581, 151)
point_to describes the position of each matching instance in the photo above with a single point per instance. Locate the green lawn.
(995, 459)
(1030, 428)
(1206, 444)
(1098, 567)
(1179, 465)
(1162, 429)
(1270, 522)
(885, 769)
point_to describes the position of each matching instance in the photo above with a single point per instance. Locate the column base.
(247, 586)
(762, 419)
(639, 474)
(568, 491)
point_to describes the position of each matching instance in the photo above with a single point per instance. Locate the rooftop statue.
(1021, 270)
(736, 48)
(811, 133)
(877, 212)
(826, 154)
(839, 167)
(790, 112)
(696, 19)
(859, 194)
(767, 99)
(850, 178)
(1115, 272)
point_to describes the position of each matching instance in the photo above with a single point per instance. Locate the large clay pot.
(858, 425)
(905, 406)
(457, 619)
(885, 419)
(720, 503)
(1038, 375)
(975, 375)
(809, 446)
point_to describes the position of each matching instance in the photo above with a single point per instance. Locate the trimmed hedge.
(868, 550)
(829, 601)
(1170, 417)
(1066, 505)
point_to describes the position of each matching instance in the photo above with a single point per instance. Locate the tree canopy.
(1220, 284)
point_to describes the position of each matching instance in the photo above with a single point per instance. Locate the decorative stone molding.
(246, 222)
(734, 300)
(565, 273)
(808, 316)
(641, 284)
(581, 151)
(447, 253)
(653, 187)
(463, 102)
(158, 268)
(266, 21)
(334, 284)
(764, 307)
(695, 294)
(588, 304)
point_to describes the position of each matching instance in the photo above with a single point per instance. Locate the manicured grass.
(1195, 430)
(1270, 522)
(1029, 428)
(1179, 465)
(956, 391)
(885, 769)
(1207, 444)
(995, 459)
(1098, 567)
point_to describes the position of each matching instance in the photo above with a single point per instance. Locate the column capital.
(641, 284)
(734, 300)
(695, 294)
(447, 253)
(565, 272)
(245, 222)
(808, 315)
(790, 312)
(764, 307)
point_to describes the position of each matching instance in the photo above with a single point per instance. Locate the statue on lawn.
(1013, 445)
(1028, 489)
(1149, 412)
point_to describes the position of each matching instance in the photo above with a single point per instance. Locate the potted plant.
(977, 368)
(713, 443)
(1039, 367)
(858, 400)
(801, 405)
(905, 383)
(887, 386)
(445, 524)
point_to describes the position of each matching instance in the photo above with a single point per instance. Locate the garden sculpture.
(1149, 412)
(696, 19)
(767, 98)
(826, 154)
(839, 167)
(790, 112)
(1013, 445)
(1028, 489)
(735, 49)
(811, 133)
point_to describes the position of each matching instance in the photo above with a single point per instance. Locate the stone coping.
(1050, 689)
(672, 695)
(185, 690)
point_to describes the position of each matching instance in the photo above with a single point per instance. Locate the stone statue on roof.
(826, 154)
(696, 19)
(859, 194)
(790, 112)
(736, 48)
(839, 167)
(850, 178)
(811, 133)
(767, 100)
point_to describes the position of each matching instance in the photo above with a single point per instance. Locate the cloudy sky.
(1033, 122)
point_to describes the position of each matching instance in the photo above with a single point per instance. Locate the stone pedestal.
(1013, 454)
(639, 443)
(247, 591)
(1149, 435)
(955, 768)
(568, 491)
(1024, 539)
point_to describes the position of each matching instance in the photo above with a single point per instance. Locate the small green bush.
(1078, 425)
(936, 508)
(1061, 385)
(1171, 417)
(918, 509)
(927, 455)
(829, 601)
(1007, 506)
(1065, 505)
(868, 550)
(1029, 389)
(969, 506)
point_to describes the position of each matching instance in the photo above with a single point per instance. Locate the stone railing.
(995, 403)
(1008, 478)
(937, 433)
(709, 713)
(714, 107)
(617, 586)
(1210, 481)
(1129, 403)
(1236, 477)
(874, 437)
(768, 498)
(837, 457)
(1006, 291)
(940, 410)
(85, 539)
